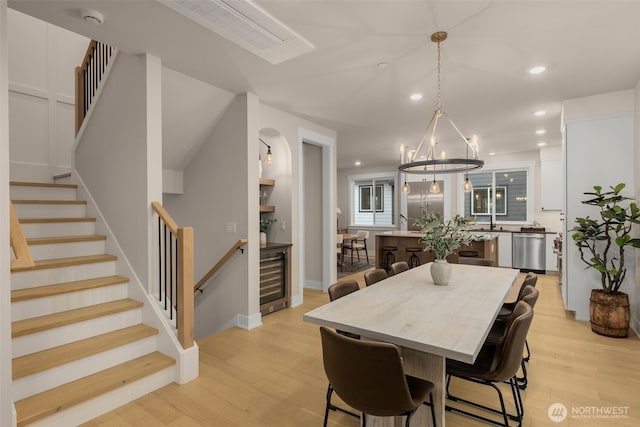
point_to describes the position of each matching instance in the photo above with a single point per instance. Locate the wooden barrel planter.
(609, 313)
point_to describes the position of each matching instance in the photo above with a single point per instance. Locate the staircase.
(79, 346)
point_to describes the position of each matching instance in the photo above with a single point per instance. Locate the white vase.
(441, 272)
(263, 238)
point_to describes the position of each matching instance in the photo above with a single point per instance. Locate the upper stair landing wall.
(118, 169)
(118, 156)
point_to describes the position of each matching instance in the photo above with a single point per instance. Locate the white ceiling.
(589, 47)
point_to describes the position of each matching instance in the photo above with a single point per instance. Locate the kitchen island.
(402, 240)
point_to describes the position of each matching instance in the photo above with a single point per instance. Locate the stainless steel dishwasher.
(529, 249)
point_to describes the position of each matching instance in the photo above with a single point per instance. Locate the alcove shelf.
(266, 182)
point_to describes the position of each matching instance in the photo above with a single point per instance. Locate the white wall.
(119, 157)
(42, 61)
(220, 187)
(7, 415)
(313, 223)
(593, 123)
(635, 284)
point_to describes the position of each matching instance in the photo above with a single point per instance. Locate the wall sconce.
(269, 157)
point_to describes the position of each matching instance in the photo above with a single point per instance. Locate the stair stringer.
(187, 360)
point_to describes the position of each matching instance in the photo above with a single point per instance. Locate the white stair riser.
(67, 250)
(57, 303)
(19, 192)
(38, 341)
(49, 276)
(97, 406)
(50, 210)
(57, 229)
(33, 384)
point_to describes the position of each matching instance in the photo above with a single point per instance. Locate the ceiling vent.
(247, 25)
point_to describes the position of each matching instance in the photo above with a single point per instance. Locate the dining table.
(429, 323)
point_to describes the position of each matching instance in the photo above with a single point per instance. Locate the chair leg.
(326, 409)
(523, 381)
(503, 412)
(433, 408)
(528, 356)
(334, 407)
(407, 422)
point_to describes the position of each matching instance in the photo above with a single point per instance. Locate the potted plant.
(601, 243)
(265, 226)
(443, 238)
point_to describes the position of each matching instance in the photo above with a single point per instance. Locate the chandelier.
(433, 162)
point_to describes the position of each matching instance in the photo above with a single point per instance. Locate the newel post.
(185, 287)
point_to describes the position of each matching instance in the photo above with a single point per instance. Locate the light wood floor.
(273, 375)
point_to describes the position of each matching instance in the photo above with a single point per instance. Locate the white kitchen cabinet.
(598, 151)
(504, 250)
(552, 184)
(551, 258)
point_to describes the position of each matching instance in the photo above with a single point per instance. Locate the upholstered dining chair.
(374, 276)
(399, 267)
(369, 377)
(339, 250)
(495, 364)
(336, 291)
(358, 244)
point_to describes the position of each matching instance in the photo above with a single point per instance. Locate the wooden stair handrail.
(185, 250)
(23, 258)
(220, 263)
(88, 76)
(173, 226)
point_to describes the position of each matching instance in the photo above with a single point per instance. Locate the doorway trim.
(329, 179)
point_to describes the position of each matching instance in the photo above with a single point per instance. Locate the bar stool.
(389, 257)
(414, 260)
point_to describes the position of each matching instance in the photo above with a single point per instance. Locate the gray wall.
(216, 192)
(119, 155)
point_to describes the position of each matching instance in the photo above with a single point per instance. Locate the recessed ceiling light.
(492, 154)
(537, 69)
(416, 97)
(541, 144)
(540, 113)
(541, 132)
(357, 163)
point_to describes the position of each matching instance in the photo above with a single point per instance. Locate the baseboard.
(249, 322)
(313, 284)
(296, 300)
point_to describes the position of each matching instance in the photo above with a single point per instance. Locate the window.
(511, 204)
(367, 195)
(372, 199)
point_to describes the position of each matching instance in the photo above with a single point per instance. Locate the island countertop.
(403, 239)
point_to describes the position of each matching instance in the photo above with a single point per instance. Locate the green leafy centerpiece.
(443, 238)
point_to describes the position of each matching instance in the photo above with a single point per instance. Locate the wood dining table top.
(409, 310)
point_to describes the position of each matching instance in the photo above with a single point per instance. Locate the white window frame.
(386, 176)
(528, 167)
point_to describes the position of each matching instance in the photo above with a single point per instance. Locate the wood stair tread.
(64, 239)
(64, 288)
(41, 184)
(47, 202)
(42, 323)
(55, 220)
(43, 404)
(40, 361)
(66, 262)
